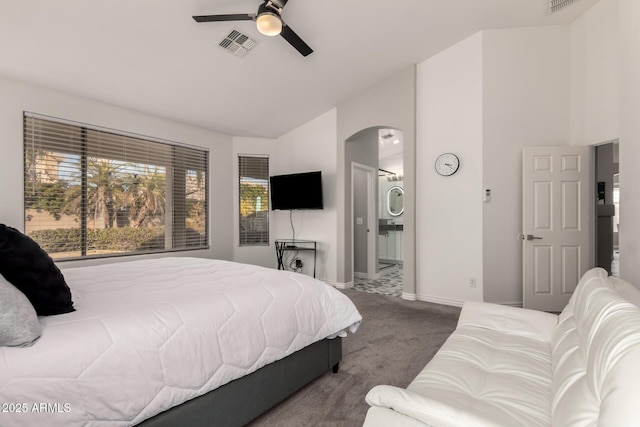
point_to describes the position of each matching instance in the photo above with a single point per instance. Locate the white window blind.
(254, 200)
(93, 192)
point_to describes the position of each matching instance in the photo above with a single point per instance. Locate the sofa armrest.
(378, 416)
(534, 324)
(416, 406)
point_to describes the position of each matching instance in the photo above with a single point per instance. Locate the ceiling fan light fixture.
(269, 23)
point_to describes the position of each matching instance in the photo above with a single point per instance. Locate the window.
(254, 200)
(91, 192)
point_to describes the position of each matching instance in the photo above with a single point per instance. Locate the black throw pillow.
(30, 269)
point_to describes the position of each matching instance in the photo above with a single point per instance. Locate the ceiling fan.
(269, 22)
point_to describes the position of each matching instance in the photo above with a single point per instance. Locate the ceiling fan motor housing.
(268, 20)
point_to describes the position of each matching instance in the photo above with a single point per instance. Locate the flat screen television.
(296, 191)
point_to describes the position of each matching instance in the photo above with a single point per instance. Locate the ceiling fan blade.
(294, 40)
(232, 17)
(279, 3)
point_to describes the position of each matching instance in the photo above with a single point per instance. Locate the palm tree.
(146, 196)
(104, 184)
(104, 187)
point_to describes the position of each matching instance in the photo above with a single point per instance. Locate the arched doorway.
(374, 186)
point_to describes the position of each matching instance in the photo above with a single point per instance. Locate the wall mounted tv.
(296, 191)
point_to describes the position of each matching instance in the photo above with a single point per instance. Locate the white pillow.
(19, 326)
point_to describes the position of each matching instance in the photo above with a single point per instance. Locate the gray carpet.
(395, 341)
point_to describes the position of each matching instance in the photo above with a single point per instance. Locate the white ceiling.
(151, 56)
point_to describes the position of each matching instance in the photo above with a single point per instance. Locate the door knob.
(522, 236)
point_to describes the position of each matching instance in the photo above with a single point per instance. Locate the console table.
(283, 245)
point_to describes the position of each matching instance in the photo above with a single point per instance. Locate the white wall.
(595, 75)
(449, 209)
(630, 141)
(311, 147)
(18, 97)
(473, 99)
(605, 105)
(389, 104)
(525, 103)
(484, 99)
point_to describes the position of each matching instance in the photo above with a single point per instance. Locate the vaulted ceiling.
(151, 56)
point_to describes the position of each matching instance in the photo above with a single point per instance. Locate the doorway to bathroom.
(377, 198)
(390, 200)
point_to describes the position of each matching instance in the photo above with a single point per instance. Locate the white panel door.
(555, 206)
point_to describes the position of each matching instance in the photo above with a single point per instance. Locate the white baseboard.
(439, 300)
(340, 285)
(409, 296)
(457, 303)
(511, 304)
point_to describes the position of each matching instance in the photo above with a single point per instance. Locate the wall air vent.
(556, 5)
(237, 43)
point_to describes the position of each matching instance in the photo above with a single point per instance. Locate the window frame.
(263, 238)
(176, 164)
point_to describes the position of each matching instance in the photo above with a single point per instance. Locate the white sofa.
(506, 366)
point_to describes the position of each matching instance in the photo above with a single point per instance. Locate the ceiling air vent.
(237, 43)
(556, 5)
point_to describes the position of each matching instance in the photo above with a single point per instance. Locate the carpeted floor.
(396, 339)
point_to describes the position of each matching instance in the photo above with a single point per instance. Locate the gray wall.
(360, 255)
(361, 148)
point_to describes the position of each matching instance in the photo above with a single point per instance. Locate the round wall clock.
(447, 164)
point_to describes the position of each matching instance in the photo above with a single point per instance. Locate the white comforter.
(148, 335)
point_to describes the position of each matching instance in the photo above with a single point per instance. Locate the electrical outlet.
(472, 282)
(298, 263)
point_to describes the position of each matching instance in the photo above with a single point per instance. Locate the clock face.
(447, 164)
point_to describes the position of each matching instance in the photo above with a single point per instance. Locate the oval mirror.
(395, 202)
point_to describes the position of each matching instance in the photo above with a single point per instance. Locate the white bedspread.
(148, 335)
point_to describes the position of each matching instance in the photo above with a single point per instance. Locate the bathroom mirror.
(395, 202)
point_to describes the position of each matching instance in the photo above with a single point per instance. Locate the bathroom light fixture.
(268, 21)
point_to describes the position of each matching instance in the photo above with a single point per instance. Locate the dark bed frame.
(239, 402)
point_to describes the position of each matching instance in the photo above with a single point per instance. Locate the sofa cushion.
(596, 355)
(485, 377)
(534, 324)
(625, 289)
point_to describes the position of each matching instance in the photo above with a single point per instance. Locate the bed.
(174, 340)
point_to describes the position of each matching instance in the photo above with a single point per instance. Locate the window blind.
(254, 200)
(96, 192)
